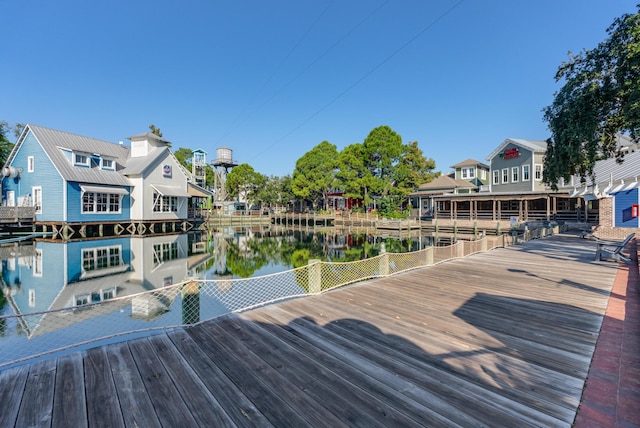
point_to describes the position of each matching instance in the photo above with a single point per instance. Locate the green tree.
(243, 181)
(382, 149)
(275, 192)
(314, 174)
(600, 97)
(5, 144)
(413, 169)
(155, 130)
(354, 177)
(184, 156)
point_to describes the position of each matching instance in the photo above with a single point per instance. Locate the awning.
(103, 189)
(197, 191)
(170, 191)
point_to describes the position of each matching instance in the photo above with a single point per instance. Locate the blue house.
(71, 179)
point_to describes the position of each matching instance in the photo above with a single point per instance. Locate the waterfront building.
(76, 180)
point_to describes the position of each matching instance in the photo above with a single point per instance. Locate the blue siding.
(45, 175)
(46, 287)
(74, 208)
(623, 202)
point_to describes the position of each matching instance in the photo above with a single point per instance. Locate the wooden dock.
(503, 338)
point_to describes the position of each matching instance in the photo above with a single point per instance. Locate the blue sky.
(271, 80)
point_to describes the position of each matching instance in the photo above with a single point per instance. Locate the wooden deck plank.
(477, 401)
(294, 406)
(323, 383)
(39, 389)
(13, 382)
(202, 404)
(450, 357)
(236, 404)
(169, 406)
(383, 385)
(103, 407)
(136, 405)
(69, 403)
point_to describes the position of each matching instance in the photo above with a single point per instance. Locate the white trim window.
(99, 258)
(483, 174)
(525, 172)
(514, 174)
(164, 204)
(107, 164)
(505, 175)
(37, 262)
(101, 203)
(31, 164)
(468, 173)
(81, 159)
(538, 172)
(496, 176)
(164, 252)
(36, 194)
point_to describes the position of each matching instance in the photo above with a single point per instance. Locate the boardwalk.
(503, 338)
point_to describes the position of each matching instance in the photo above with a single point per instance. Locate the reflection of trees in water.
(242, 255)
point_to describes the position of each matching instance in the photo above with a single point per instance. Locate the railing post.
(383, 261)
(315, 276)
(191, 302)
(428, 256)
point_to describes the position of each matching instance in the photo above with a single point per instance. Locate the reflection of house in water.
(74, 275)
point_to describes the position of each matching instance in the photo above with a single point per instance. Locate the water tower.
(223, 162)
(199, 167)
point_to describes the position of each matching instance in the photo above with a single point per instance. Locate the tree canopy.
(315, 171)
(599, 99)
(5, 144)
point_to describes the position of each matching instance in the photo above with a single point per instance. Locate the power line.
(363, 77)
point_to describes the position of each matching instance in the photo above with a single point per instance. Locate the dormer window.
(108, 164)
(80, 159)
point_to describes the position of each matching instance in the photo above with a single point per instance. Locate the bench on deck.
(612, 250)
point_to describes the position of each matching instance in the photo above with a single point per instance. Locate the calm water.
(71, 277)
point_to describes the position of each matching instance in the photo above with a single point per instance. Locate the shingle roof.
(469, 162)
(446, 182)
(53, 141)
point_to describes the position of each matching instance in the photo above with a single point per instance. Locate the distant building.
(472, 171)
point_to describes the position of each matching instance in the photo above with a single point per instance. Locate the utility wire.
(367, 74)
(277, 69)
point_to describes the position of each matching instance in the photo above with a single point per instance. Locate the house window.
(514, 174)
(164, 204)
(108, 164)
(36, 193)
(483, 174)
(30, 164)
(102, 203)
(496, 177)
(525, 172)
(81, 160)
(468, 173)
(538, 172)
(94, 259)
(37, 262)
(505, 175)
(164, 252)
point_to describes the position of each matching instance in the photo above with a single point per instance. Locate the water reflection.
(70, 278)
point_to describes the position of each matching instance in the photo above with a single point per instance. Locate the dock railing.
(25, 336)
